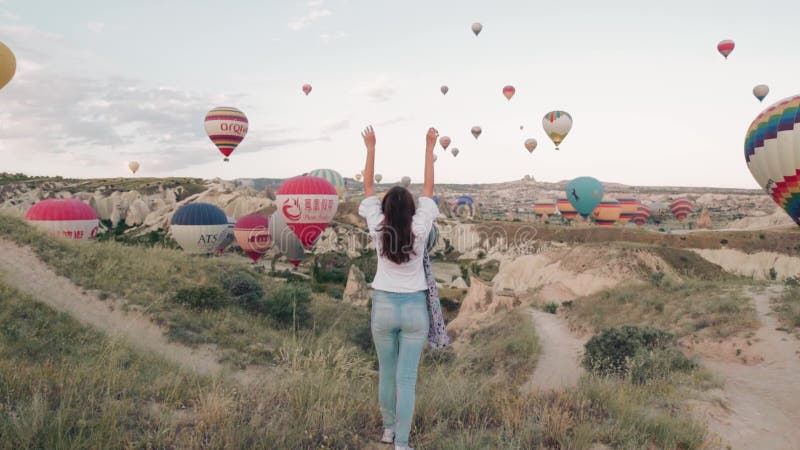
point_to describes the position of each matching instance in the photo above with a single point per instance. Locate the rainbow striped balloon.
(557, 125)
(772, 152)
(226, 127)
(332, 176)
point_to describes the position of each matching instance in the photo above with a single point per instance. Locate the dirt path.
(559, 359)
(22, 270)
(762, 400)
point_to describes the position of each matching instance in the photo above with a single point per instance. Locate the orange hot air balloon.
(607, 212)
(509, 91)
(629, 206)
(253, 235)
(544, 207)
(568, 212)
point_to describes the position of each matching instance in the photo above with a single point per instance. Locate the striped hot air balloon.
(557, 125)
(198, 227)
(772, 153)
(253, 235)
(226, 127)
(333, 177)
(681, 208)
(70, 218)
(308, 204)
(629, 206)
(568, 212)
(607, 212)
(544, 208)
(725, 47)
(641, 215)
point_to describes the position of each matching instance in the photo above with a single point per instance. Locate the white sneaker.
(388, 436)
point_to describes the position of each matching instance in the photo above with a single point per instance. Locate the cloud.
(328, 37)
(379, 90)
(96, 27)
(315, 12)
(335, 126)
(393, 120)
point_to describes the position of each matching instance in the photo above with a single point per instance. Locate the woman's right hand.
(369, 137)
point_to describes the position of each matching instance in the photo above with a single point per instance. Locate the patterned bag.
(437, 335)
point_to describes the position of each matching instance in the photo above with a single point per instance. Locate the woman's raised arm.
(430, 144)
(369, 169)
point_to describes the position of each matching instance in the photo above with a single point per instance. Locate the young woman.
(399, 309)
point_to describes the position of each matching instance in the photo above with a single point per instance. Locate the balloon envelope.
(197, 227)
(568, 212)
(544, 207)
(557, 125)
(253, 235)
(476, 28)
(69, 218)
(629, 206)
(444, 89)
(641, 216)
(531, 144)
(308, 204)
(133, 166)
(454, 151)
(405, 181)
(607, 212)
(226, 127)
(307, 89)
(761, 91)
(358, 177)
(509, 91)
(476, 131)
(585, 193)
(725, 47)
(379, 177)
(681, 208)
(332, 176)
(287, 242)
(444, 141)
(8, 65)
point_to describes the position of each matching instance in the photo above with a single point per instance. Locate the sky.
(100, 83)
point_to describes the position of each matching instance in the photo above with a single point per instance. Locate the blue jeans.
(399, 329)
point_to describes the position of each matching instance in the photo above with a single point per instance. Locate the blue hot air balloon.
(199, 227)
(585, 193)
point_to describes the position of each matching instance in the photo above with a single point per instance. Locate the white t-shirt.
(409, 276)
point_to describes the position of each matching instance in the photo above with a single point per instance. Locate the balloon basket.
(226, 159)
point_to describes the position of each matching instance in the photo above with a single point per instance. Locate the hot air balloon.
(69, 218)
(444, 141)
(508, 91)
(444, 89)
(681, 208)
(333, 177)
(462, 203)
(544, 207)
(253, 235)
(521, 127)
(405, 181)
(306, 88)
(568, 212)
(133, 166)
(433, 238)
(531, 144)
(379, 177)
(358, 177)
(585, 193)
(761, 91)
(557, 125)
(227, 236)
(454, 151)
(476, 131)
(607, 212)
(8, 65)
(226, 127)
(476, 28)
(197, 227)
(641, 215)
(629, 206)
(284, 238)
(658, 211)
(725, 47)
(308, 204)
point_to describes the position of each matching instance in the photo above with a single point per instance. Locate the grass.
(788, 308)
(702, 308)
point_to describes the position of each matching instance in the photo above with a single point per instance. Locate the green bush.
(360, 335)
(245, 290)
(609, 352)
(773, 274)
(648, 365)
(551, 307)
(201, 297)
(656, 278)
(792, 281)
(335, 291)
(289, 305)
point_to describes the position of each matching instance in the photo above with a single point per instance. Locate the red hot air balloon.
(306, 88)
(226, 127)
(70, 218)
(726, 47)
(444, 141)
(681, 208)
(509, 91)
(308, 204)
(253, 235)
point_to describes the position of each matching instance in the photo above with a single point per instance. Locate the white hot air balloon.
(133, 166)
(531, 144)
(454, 151)
(761, 91)
(476, 28)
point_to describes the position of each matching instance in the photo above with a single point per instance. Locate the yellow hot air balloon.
(358, 177)
(8, 65)
(134, 166)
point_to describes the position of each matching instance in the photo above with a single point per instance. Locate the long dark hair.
(397, 239)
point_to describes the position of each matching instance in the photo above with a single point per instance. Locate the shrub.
(245, 290)
(657, 364)
(773, 274)
(724, 242)
(360, 335)
(289, 305)
(481, 254)
(657, 278)
(609, 352)
(551, 307)
(335, 291)
(792, 281)
(201, 297)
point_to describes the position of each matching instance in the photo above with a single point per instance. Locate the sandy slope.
(559, 360)
(22, 270)
(763, 400)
